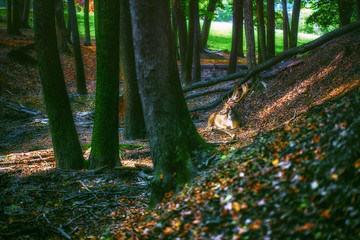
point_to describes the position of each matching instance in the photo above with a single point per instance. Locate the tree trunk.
(134, 118)
(345, 11)
(80, 75)
(65, 141)
(207, 23)
(60, 23)
(190, 44)
(235, 36)
(9, 16)
(105, 137)
(172, 134)
(285, 26)
(87, 24)
(295, 23)
(270, 28)
(180, 21)
(249, 33)
(358, 9)
(16, 17)
(197, 43)
(241, 30)
(25, 12)
(68, 31)
(263, 56)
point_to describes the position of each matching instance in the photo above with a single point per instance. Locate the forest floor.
(291, 171)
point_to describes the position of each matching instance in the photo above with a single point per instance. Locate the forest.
(182, 119)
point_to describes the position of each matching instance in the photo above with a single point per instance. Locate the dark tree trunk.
(61, 27)
(197, 43)
(87, 24)
(65, 141)
(16, 17)
(263, 56)
(207, 23)
(190, 44)
(295, 23)
(358, 9)
(270, 28)
(105, 137)
(25, 13)
(249, 33)
(180, 21)
(68, 31)
(235, 36)
(172, 134)
(134, 118)
(80, 75)
(346, 8)
(9, 16)
(285, 25)
(241, 30)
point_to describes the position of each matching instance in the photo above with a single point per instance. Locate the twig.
(56, 229)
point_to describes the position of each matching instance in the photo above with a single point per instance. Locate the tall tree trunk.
(358, 9)
(241, 30)
(190, 44)
(270, 28)
(249, 34)
(295, 23)
(87, 24)
(134, 118)
(207, 23)
(16, 17)
(60, 23)
(285, 25)
(180, 21)
(197, 43)
(235, 36)
(263, 56)
(172, 134)
(345, 11)
(80, 75)
(25, 12)
(9, 16)
(105, 137)
(68, 31)
(65, 141)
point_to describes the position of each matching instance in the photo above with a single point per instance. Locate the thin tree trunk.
(68, 31)
(270, 28)
(87, 24)
(180, 21)
(263, 56)
(207, 23)
(190, 44)
(241, 30)
(65, 141)
(60, 23)
(358, 9)
(134, 118)
(235, 37)
(197, 43)
(172, 134)
(9, 16)
(285, 25)
(25, 12)
(16, 17)
(295, 23)
(80, 75)
(345, 11)
(249, 33)
(105, 137)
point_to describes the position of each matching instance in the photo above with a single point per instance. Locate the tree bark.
(285, 25)
(262, 56)
(190, 44)
(207, 23)
(25, 13)
(105, 137)
(275, 60)
(87, 24)
(345, 11)
(197, 44)
(358, 9)
(65, 141)
(295, 23)
(180, 21)
(16, 17)
(172, 134)
(249, 33)
(60, 23)
(241, 30)
(235, 36)
(134, 118)
(9, 16)
(80, 75)
(270, 28)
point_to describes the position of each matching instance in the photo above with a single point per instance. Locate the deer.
(227, 117)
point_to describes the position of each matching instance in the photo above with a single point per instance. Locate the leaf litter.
(292, 170)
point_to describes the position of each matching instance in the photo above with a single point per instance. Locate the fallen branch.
(206, 92)
(271, 62)
(28, 162)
